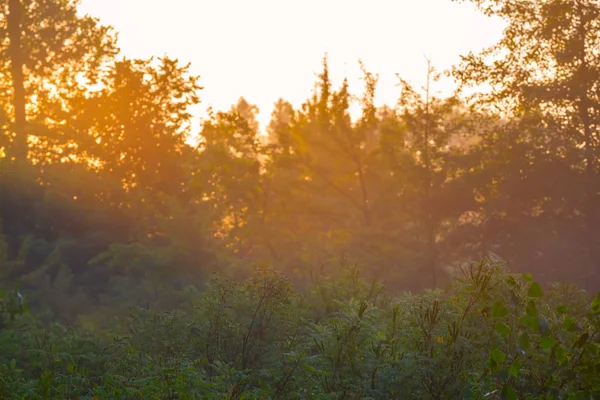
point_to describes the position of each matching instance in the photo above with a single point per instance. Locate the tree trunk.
(431, 247)
(18, 150)
(589, 142)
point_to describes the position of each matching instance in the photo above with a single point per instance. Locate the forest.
(436, 248)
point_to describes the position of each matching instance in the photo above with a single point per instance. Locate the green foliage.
(258, 339)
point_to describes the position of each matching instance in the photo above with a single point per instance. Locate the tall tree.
(332, 156)
(135, 126)
(544, 72)
(52, 51)
(430, 172)
(230, 178)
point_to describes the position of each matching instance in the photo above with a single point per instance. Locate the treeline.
(104, 201)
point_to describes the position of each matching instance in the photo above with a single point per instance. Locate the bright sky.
(269, 49)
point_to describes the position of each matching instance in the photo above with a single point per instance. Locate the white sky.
(269, 49)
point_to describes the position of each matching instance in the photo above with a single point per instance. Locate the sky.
(264, 50)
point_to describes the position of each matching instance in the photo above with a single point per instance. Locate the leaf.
(596, 302)
(561, 355)
(496, 342)
(515, 368)
(498, 310)
(509, 393)
(547, 343)
(569, 324)
(535, 290)
(524, 340)
(562, 309)
(527, 277)
(498, 355)
(529, 322)
(582, 340)
(502, 329)
(531, 309)
(594, 348)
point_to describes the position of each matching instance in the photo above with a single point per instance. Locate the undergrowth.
(494, 335)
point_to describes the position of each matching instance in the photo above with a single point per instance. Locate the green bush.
(494, 335)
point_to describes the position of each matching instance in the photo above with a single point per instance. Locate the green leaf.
(562, 309)
(515, 368)
(524, 340)
(498, 355)
(527, 277)
(498, 310)
(531, 309)
(511, 281)
(547, 343)
(561, 355)
(594, 348)
(535, 290)
(529, 322)
(569, 324)
(509, 393)
(502, 329)
(596, 301)
(496, 342)
(582, 340)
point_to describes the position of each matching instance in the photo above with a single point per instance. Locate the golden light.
(270, 49)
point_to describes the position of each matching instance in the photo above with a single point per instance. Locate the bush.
(494, 335)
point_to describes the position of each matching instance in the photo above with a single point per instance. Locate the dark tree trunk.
(18, 151)
(430, 227)
(584, 83)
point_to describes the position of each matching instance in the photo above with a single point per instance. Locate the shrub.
(494, 335)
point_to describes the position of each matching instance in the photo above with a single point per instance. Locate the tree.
(231, 178)
(328, 157)
(544, 79)
(136, 125)
(429, 174)
(52, 53)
